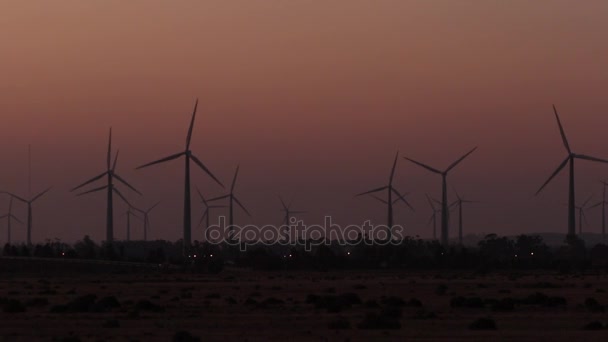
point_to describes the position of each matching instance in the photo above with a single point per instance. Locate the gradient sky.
(312, 98)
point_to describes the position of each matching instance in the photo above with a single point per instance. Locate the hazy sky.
(312, 98)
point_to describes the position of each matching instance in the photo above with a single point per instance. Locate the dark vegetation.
(492, 253)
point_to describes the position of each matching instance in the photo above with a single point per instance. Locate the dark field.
(255, 306)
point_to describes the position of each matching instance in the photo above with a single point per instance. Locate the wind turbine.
(459, 202)
(130, 213)
(433, 218)
(231, 200)
(390, 190)
(569, 159)
(29, 211)
(110, 188)
(9, 217)
(444, 197)
(207, 213)
(581, 214)
(603, 204)
(288, 212)
(146, 218)
(187, 153)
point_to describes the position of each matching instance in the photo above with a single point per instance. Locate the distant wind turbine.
(231, 200)
(444, 197)
(9, 219)
(207, 212)
(29, 211)
(581, 214)
(128, 214)
(458, 203)
(187, 153)
(146, 218)
(289, 213)
(569, 159)
(603, 204)
(110, 188)
(390, 190)
(433, 218)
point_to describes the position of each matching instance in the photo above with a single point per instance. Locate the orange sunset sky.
(312, 99)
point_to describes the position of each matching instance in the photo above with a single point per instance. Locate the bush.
(184, 336)
(374, 321)
(13, 306)
(339, 324)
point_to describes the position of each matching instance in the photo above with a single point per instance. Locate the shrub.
(483, 324)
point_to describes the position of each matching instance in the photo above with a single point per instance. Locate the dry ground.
(235, 306)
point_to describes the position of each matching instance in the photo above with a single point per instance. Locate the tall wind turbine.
(187, 153)
(581, 214)
(433, 218)
(390, 190)
(29, 211)
(231, 200)
(458, 203)
(207, 212)
(603, 204)
(444, 197)
(9, 219)
(569, 160)
(146, 218)
(110, 188)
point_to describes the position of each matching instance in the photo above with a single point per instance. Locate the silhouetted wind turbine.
(207, 212)
(29, 211)
(581, 214)
(390, 190)
(603, 204)
(130, 213)
(146, 218)
(231, 199)
(110, 188)
(433, 218)
(459, 202)
(187, 153)
(444, 197)
(288, 212)
(569, 159)
(9, 219)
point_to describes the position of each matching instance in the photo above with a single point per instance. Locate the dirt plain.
(244, 305)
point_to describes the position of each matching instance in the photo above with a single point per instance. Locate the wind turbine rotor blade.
(3, 216)
(430, 201)
(216, 206)
(561, 130)
(236, 173)
(559, 169)
(14, 196)
(171, 157)
(456, 192)
(115, 161)
(122, 196)
(241, 205)
(189, 138)
(202, 166)
(596, 205)
(93, 190)
(218, 198)
(152, 207)
(200, 223)
(372, 191)
(298, 212)
(127, 184)
(424, 166)
(89, 181)
(40, 194)
(283, 203)
(200, 194)
(587, 201)
(460, 160)
(454, 203)
(582, 156)
(402, 198)
(394, 167)
(378, 198)
(15, 218)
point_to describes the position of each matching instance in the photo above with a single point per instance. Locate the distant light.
(284, 256)
(62, 253)
(211, 255)
(195, 255)
(516, 255)
(532, 253)
(347, 253)
(290, 255)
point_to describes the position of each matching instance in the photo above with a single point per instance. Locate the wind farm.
(303, 171)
